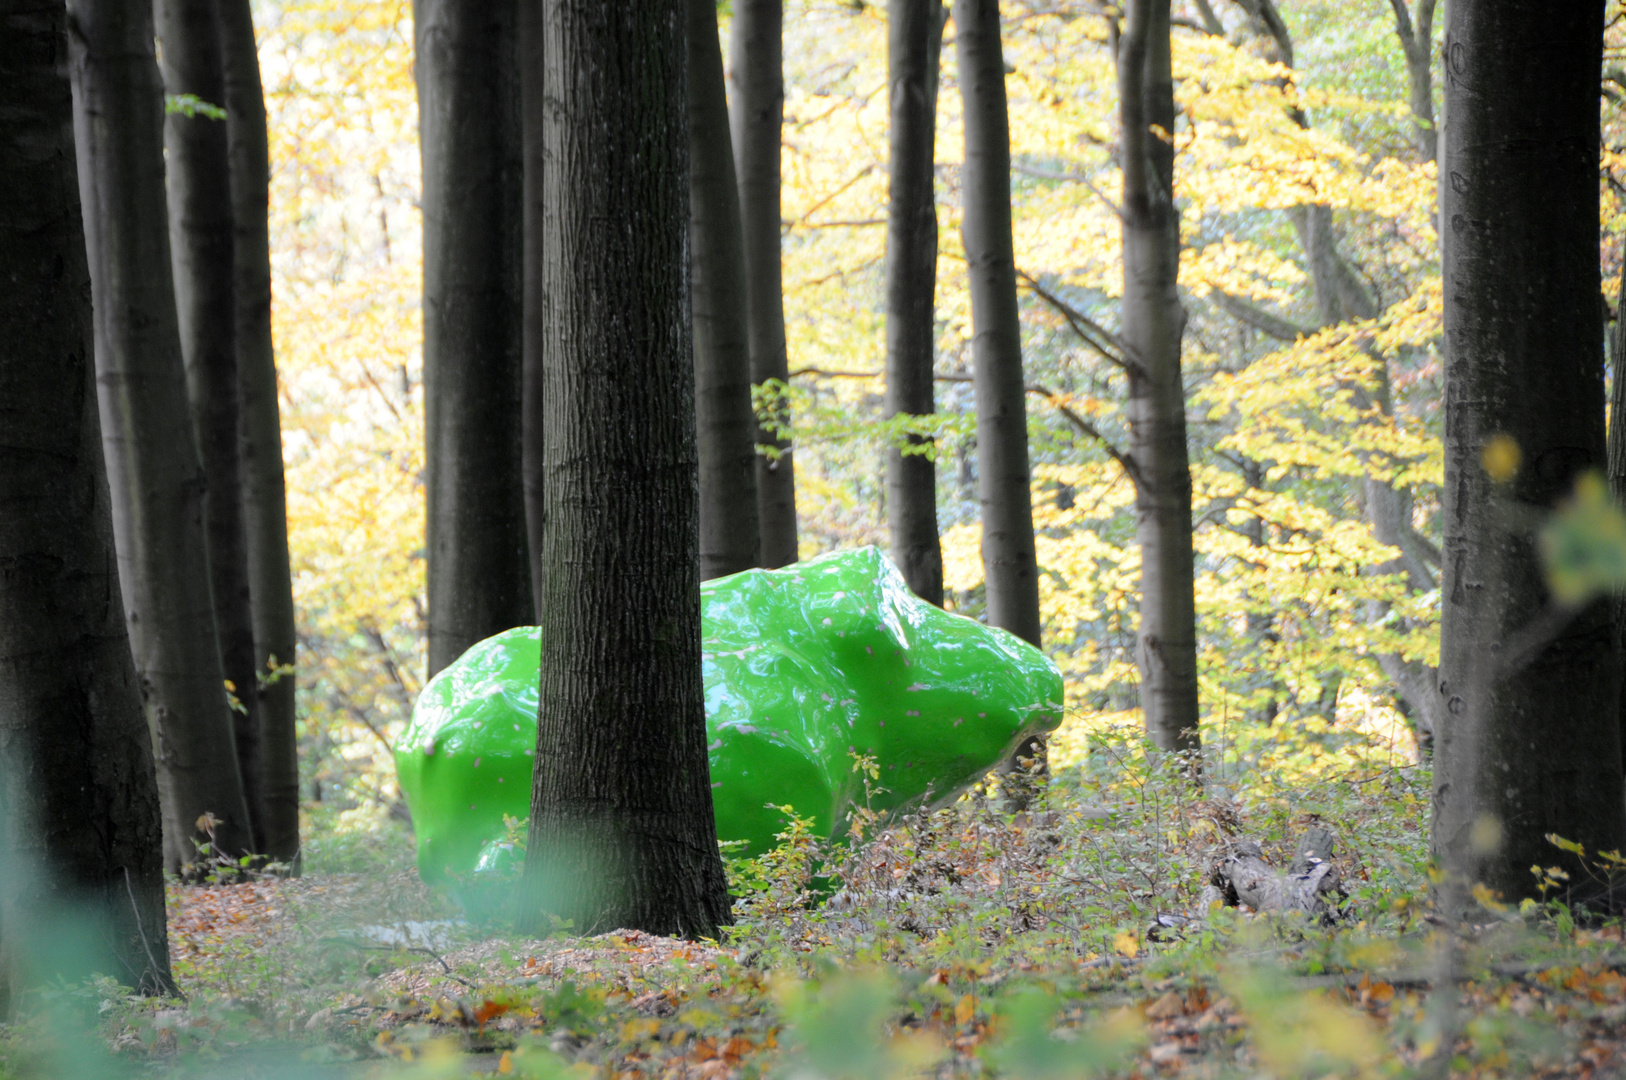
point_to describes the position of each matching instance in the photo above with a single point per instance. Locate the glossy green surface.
(804, 667)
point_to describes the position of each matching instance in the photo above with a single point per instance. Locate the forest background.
(1291, 419)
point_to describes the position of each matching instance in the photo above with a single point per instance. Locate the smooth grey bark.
(1531, 737)
(80, 828)
(202, 249)
(1153, 322)
(533, 315)
(756, 113)
(1416, 33)
(1010, 566)
(265, 501)
(469, 125)
(730, 536)
(914, 44)
(154, 473)
(622, 829)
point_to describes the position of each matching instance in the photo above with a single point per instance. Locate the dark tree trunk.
(915, 37)
(1531, 736)
(1153, 322)
(153, 469)
(533, 320)
(469, 123)
(265, 503)
(622, 830)
(198, 180)
(80, 829)
(730, 538)
(1010, 568)
(756, 60)
(1617, 453)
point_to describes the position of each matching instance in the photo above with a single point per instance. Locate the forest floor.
(965, 942)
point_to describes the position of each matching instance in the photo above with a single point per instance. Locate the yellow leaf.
(965, 1009)
(1127, 944)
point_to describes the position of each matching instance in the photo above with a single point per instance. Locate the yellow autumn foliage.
(1289, 596)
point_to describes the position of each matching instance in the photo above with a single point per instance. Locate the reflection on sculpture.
(804, 667)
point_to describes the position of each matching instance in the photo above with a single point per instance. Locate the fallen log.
(1240, 877)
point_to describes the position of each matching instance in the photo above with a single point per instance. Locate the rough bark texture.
(153, 469)
(533, 315)
(1153, 322)
(201, 227)
(265, 502)
(1241, 877)
(622, 830)
(469, 124)
(80, 830)
(915, 36)
(1531, 735)
(756, 53)
(1010, 567)
(730, 537)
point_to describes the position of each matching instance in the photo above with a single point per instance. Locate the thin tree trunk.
(1010, 567)
(1417, 45)
(1617, 452)
(622, 830)
(1153, 322)
(1340, 296)
(201, 227)
(80, 828)
(153, 469)
(1531, 739)
(915, 37)
(265, 503)
(730, 537)
(756, 58)
(533, 321)
(468, 116)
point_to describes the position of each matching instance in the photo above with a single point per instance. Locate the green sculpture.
(804, 668)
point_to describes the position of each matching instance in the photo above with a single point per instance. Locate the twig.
(1123, 357)
(426, 950)
(1056, 400)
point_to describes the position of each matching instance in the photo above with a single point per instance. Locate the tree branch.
(1111, 347)
(1272, 325)
(1056, 401)
(1211, 21)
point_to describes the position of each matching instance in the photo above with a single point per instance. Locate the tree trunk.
(1153, 322)
(730, 538)
(1617, 452)
(1531, 743)
(756, 49)
(622, 830)
(468, 109)
(153, 469)
(915, 37)
(1010, 568)
(80, 827)
(198, 181)
(533, 319)
(265, 503)
(1341, 295)
(1417, 45)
